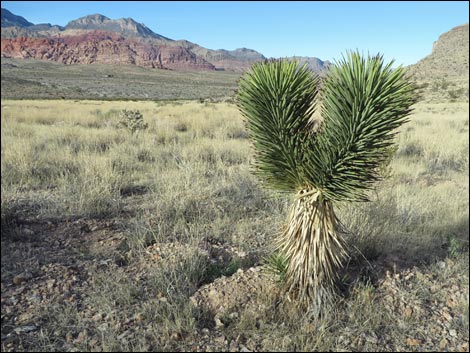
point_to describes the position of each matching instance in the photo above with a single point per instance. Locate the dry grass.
(187, 179)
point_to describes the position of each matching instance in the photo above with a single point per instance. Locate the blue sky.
(401, 30)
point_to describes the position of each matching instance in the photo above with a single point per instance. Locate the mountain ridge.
(10, 19)
(237, 60)
(150, 42)
(444, 73)
(125, 26)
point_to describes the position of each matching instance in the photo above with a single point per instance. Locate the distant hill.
(79, 42)
(314, 64)
(443, 74)
(101, 47)
(10, 20)
(124, 26)
(449, 57)
(231, 60)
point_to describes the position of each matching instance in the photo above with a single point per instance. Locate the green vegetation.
(37, 79)
(363, 102)
(133, 120)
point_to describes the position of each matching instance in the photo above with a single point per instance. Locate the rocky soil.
(46, 263)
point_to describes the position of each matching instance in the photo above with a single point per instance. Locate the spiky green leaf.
(277, 100)
(364, 101)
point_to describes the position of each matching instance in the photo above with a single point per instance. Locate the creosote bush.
(133, 120)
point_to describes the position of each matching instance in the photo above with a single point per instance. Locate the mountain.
(153, 50)
(125, 26)
(314, 64)
(444, 73)
(230, 60)
(103, 47)
(10, 20)
(84, 41)
(449, 57)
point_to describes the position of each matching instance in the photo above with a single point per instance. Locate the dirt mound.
(226, 296)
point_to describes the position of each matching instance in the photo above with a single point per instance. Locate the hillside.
(9, 19)
(71, 45)
(443, 74)
(125, 26)
(40, 79)
(97, 39)
(182, 55)
(103, 47)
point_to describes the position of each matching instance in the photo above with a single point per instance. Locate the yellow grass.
(187, 177)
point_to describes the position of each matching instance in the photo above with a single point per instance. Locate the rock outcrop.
(103, 47)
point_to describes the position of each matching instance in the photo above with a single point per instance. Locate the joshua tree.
(321, 161)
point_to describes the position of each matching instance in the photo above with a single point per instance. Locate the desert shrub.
(181, 127)
(133, 120)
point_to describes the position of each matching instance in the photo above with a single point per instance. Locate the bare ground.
(52, 268)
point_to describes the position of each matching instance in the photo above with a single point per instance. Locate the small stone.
(443, 343)
(25, 329)
(453, 333)
(451, 303)
(23, 277)
(123, 335)
(219, 323)
(27, 231)
(81, 336)
(9, 339)
(97, 317)
(103, 263)
(413, 342)
(69, 337)
(409, 276)
(441, 265)
(103, 327)
(175, 336)
(408, 312)
(244, 349)
(220, 339)
(233, 347)
(25, 317)
(233, 315)
(447, 316)
(35, 298)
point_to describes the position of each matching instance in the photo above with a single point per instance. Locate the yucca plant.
(321, 161)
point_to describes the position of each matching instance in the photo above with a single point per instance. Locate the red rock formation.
(103, 47)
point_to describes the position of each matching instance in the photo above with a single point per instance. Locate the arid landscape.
(156, 240)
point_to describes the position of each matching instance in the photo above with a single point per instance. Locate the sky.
(403, 31)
